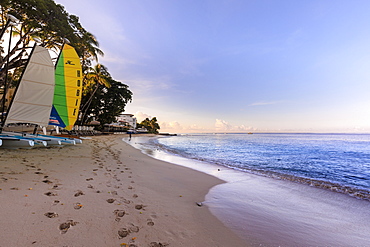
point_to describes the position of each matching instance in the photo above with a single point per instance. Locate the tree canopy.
(151, 125)
(106, 103)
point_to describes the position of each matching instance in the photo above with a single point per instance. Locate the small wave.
(317, 183)
(326, 185)
(335, 187)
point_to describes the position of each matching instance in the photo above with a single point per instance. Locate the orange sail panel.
(68, 89)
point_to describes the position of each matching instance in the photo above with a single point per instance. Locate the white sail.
(33, 98)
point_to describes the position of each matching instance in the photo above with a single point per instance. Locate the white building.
(127, 120)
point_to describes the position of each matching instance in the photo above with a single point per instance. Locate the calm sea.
(338, 162)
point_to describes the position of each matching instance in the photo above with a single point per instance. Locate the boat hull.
(14, 142)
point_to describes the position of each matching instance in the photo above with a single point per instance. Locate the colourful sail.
(33, 98)
(68, 89)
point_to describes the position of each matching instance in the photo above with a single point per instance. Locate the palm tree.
(151, 125)
(89, 48)
(94, 77)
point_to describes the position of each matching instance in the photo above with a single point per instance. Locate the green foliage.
(151, 125)
(94, 78)
(107, 103)
(50, 23)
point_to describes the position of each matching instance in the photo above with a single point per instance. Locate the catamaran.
(39, 100)
(14, 142)
(32, 99)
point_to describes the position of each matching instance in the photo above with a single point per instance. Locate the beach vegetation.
(94, 77)
(105, 103)
(151, 125)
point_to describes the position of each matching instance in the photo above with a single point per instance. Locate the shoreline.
(270, 212)
(104, 193)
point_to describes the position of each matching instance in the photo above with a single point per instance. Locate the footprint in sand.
(79, 193)
(139, 206)
(119, 213)
(51, 214)
(133, 228)
(155, 244)
(150, 222)
(50, 193)
(66, 225)
(124, 200)
(110, 200)
(124, 232)
(56, 187)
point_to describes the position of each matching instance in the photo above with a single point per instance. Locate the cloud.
(177, 127)
(141, 116)
(174, 125)
(222, 125)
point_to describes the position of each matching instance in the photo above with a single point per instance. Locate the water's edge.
(161, 152)
(271, 212)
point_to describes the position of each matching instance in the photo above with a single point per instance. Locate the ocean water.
(278, 188)
(338, 162)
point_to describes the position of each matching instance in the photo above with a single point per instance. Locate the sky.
(238, 65)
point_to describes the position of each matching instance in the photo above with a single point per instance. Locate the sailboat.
(32, 99)
(13, 142)
(68, 89)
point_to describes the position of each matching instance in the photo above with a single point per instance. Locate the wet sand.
(104, 193)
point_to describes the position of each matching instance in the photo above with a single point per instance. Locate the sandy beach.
(104, 193)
